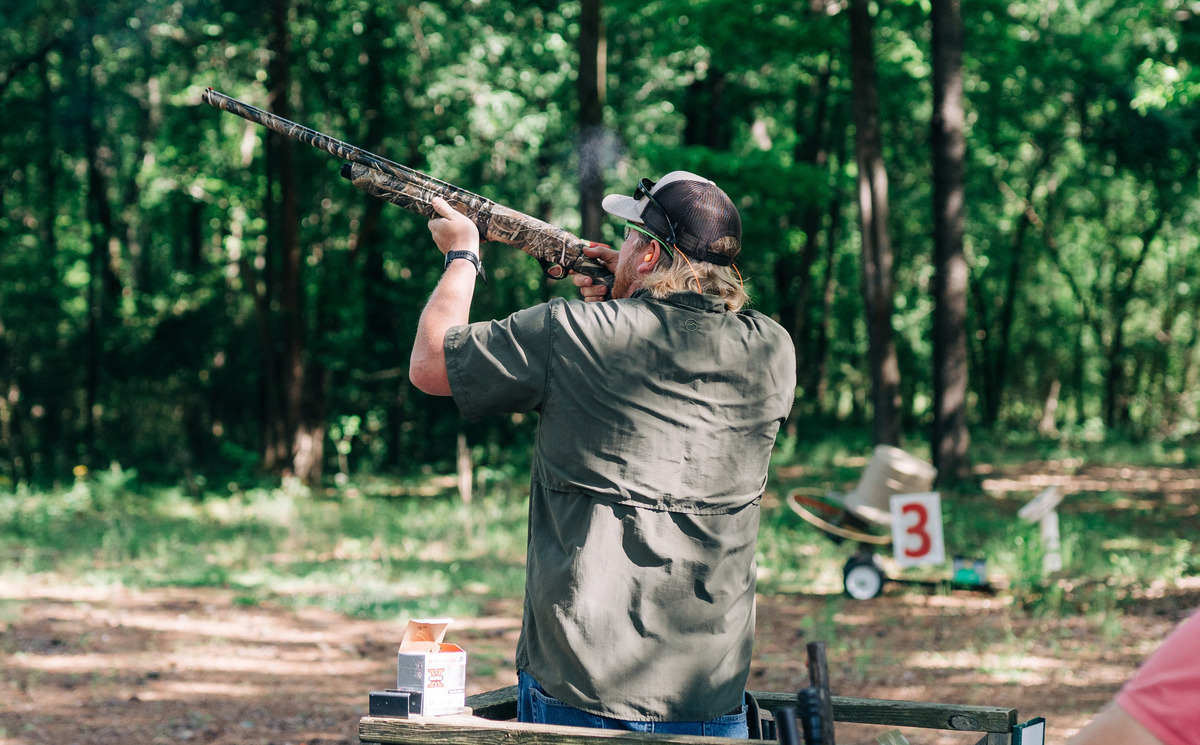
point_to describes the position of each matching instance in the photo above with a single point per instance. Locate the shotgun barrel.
(558, 251)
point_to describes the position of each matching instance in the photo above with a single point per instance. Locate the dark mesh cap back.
(707, 225)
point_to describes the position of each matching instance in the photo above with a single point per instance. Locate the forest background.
(183, 293)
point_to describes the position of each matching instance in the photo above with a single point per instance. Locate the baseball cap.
(687, 208)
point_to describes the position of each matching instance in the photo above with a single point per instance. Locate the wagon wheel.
(862, 577)
(831, 516)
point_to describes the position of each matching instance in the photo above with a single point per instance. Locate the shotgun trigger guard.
(552, 269)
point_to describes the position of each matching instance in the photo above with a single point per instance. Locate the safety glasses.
(630, 226)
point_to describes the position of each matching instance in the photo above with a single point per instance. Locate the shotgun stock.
(558, 251)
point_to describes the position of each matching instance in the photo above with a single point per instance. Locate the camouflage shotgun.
(558, 251)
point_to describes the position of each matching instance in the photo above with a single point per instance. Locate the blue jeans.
(534, 705)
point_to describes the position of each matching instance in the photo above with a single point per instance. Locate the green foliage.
(140, 278)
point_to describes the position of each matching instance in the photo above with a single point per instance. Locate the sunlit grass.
(382, 549)
(366, 556)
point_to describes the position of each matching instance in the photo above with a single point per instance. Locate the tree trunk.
(996, 346)
(308, 450)
(812, 150)
(829, 290)
(1046, 423)
(57, 399)
(297, 445)
(1003, 346)
(366, 238)
(381, 310)
(590, 88)
(103, 287)
(465, 469)
(1115, 395)
(878, 284)
(951, 438)
(706, 120)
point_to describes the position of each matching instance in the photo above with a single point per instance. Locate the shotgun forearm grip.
(559, 251)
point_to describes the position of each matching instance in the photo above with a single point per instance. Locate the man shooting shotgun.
(659, 403)
(659, 397)
(558, 251)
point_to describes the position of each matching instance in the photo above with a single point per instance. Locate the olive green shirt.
(657, 422)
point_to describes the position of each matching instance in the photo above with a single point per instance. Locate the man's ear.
(648, 257)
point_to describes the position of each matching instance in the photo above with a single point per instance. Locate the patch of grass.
(369, 556)
(382, 549)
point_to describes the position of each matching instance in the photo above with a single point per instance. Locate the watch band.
(470, 256)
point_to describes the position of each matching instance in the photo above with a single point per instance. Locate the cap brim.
(626, 208)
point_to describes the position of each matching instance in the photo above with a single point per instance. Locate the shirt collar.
(693, 300)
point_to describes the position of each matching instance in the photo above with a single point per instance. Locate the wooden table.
(487, 724)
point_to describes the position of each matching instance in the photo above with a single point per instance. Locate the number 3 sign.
(917, 529)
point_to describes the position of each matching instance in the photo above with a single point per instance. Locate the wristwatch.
(470, 256)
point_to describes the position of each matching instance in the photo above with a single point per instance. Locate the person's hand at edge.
(590, 290)
(453, 231)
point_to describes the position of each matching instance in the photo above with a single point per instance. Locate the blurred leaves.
(129, 273)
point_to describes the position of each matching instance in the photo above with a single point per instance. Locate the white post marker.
(1032, 732)
(917, 535)
(1041, 510)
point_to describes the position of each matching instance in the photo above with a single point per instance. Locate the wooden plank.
(502, 704)
(469, 730)
(499, 704)
(906, 713)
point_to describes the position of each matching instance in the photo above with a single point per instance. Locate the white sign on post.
(1041, 510)
(1032, 732)
(1041, 505)
(917, 529)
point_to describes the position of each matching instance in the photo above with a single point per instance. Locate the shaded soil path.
(101, 666)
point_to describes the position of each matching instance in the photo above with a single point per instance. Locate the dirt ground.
(107, 666)
(91, 666)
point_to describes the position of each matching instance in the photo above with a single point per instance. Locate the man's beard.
(623, 279)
